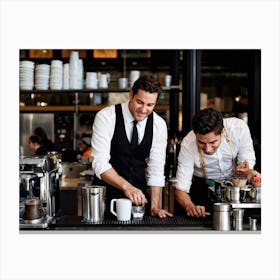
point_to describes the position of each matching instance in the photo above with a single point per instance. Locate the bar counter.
(169, 224)
(71, 222)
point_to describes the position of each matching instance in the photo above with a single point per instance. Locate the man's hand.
(196, 211)
(135, 195)
(242, 169)
(161, 213)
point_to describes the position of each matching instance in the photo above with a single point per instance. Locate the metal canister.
(235, 194)
(237, 223)
(253, 223)
(221, 219)
(258, 194)
(93, 203)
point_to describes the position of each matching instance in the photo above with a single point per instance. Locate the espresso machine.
(38, 189)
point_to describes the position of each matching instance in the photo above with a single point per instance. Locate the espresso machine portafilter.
(38, 181)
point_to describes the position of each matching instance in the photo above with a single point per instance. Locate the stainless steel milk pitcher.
(222, 216)
(237, 222)
(93, 203)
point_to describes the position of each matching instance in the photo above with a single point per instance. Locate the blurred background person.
(44, 140)
(35, 146)
(85, 146)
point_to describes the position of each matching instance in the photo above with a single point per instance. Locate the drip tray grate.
(148, 221)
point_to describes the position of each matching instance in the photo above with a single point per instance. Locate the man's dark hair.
(41, 133)
(147, 83)
(34, 139)
(208, 120)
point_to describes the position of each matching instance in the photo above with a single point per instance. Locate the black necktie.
(134, 138)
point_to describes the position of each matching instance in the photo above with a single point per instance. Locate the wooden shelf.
(81, 108)
(42, 109)
(99, 90)
(71, 91)
(91, 107)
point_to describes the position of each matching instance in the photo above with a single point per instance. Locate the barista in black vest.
(129, 147)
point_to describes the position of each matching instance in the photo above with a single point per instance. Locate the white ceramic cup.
(103, 81)
(123, 83)
(134, 75)
(167, 80)
(91, 80)
(123, 208)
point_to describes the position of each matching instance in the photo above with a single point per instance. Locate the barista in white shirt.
(126, 171)
(215, 149)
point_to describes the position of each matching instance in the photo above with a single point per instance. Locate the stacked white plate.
(56, 77)
(75, 71)
(42, 76)
(80, 74)
(26, 75)
(66, 76)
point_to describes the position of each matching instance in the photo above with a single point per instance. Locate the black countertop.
(64, 221)
(71, 222)
(168, 224)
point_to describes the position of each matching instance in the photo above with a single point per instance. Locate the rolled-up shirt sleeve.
(185, 168)
(246, 148)
(102, 133)
(156, 161)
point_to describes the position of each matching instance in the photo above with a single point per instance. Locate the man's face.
(142, 104)
(209, 142)
(31, 146)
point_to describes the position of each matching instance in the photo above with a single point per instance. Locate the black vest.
(129, 164)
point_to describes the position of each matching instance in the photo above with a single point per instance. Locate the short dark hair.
(34, 139)
(41, 133)
(208, 120)
(147, 83)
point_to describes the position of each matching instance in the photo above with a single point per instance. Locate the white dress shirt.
(219, 165)
(102, 133)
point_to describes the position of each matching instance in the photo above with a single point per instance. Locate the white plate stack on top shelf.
(42, 76)
(66, 76)
(73, 70)
(26, 75)
(56, 75)
(76, 71)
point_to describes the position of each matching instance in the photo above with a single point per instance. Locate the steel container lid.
(221, 207)
(94, 189)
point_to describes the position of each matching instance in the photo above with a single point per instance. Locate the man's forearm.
(182, 198)
(112, 178)
(155, 197)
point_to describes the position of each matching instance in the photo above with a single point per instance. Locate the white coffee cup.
(123, 83)
(134, 75)
(167, 80)
(123, 208)
(91, 80)
(103, 81)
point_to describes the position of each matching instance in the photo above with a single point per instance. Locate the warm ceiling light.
(237, 98)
